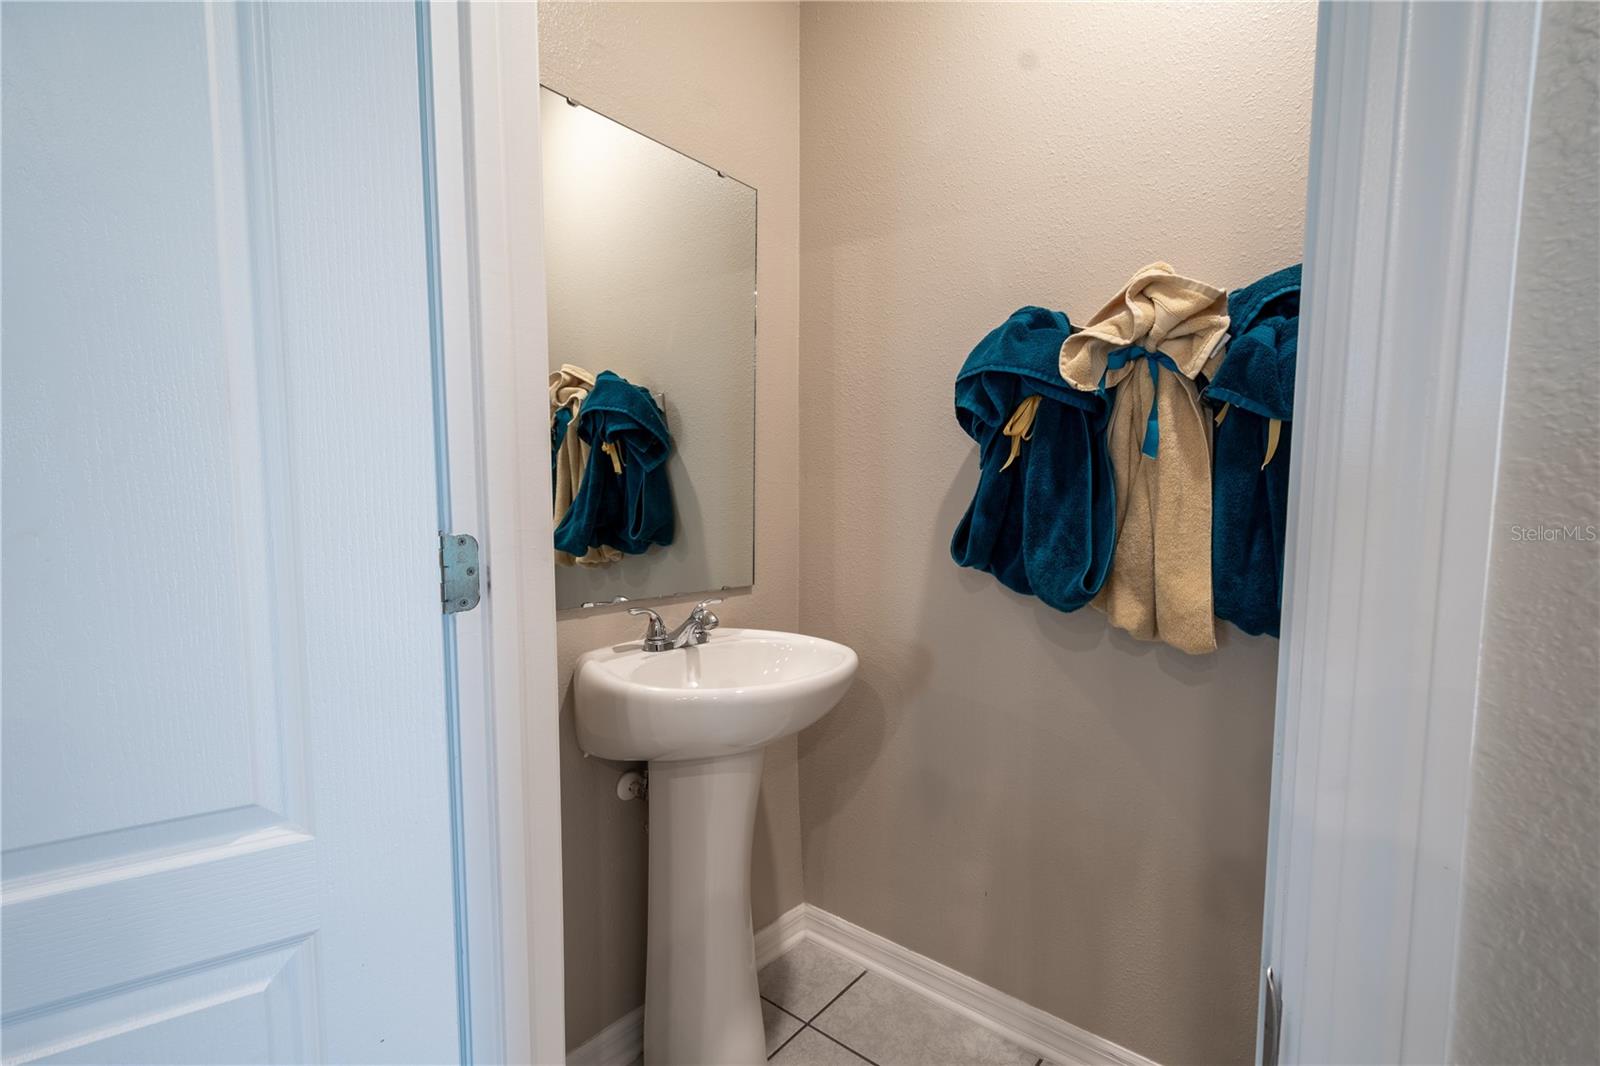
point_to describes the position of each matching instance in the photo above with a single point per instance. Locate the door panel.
(249, 1008)
(226, 821)
(112, 249)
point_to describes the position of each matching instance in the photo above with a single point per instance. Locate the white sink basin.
(701, 716)
(741, 690)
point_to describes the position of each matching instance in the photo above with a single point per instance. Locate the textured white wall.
(1528, 987)
(651, 259)
(720, 82)
(1071, 816)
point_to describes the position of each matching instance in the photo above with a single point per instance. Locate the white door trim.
(484, 60)
(1418, 140)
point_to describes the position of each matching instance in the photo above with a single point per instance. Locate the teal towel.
(1047, 525)
(1250, 503)
(558, 433)
(631, 509)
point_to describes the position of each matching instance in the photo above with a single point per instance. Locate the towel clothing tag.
(1019, 427)
(1274, 432)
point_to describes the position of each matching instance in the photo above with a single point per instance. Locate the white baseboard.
(789, 929)
(618, 1044)
(1042, 1033)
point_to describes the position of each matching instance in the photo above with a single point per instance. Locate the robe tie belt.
(1155, 361)
(1019, 427)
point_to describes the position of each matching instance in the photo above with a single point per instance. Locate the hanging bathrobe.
(1043, 519)
(625, 499)
(1254, 393)
(1150, 342)
(569, 455)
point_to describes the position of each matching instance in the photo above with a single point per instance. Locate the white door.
(227, 810)
(1419, 136)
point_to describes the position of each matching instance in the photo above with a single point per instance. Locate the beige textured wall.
(720, 82)
(1528, 987)
(1053, 808)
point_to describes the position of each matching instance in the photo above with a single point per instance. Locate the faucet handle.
(655, 632)
(703, 615)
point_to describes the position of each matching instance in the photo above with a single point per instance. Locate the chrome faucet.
(693, 630)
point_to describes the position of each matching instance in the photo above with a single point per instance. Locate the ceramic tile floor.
(821, 1009)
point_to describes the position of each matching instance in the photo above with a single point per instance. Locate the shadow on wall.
(764, 891)
(850, 738)
(602, 888)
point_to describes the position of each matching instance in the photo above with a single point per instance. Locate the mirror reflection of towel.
(625, 497)
(569, 456)
(1150, 342)
(1042, 520)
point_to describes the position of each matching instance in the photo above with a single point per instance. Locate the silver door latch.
(1271, 1019)
(458, 572)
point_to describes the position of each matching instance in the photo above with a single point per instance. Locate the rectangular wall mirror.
(651, 260)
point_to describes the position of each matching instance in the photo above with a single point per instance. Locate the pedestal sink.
(702, 715)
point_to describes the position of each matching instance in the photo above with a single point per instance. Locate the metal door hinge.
(1271, 1019)
(458, 572)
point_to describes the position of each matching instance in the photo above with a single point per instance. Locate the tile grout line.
(791, 1013)
(805, 1024)
(797, 1032)
(811, 1023)
(792, 1035)
(835, 999)
(842, 1044)
(824, 1010)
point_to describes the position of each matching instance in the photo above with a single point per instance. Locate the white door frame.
(488, 205)
(1419, 138)
(1419, 135)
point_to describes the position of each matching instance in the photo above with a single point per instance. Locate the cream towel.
(1159, 437)
(569, 387)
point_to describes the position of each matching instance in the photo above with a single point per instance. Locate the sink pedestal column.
(701, 1005)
